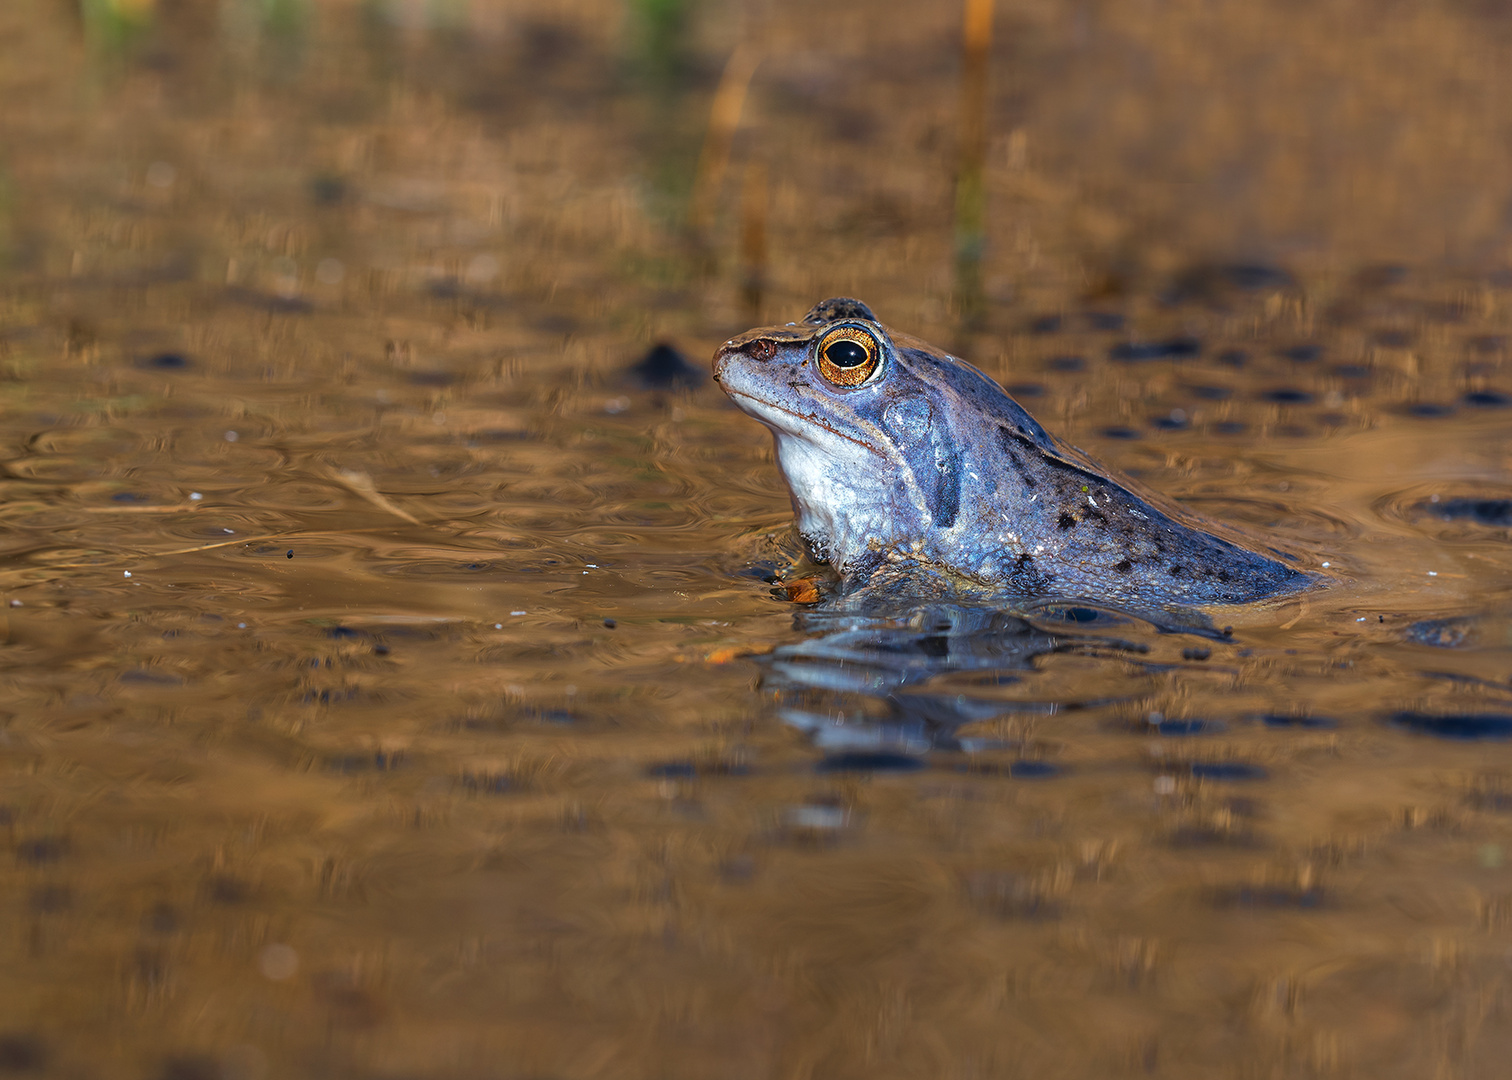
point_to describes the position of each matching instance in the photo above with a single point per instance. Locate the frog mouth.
(811, 420)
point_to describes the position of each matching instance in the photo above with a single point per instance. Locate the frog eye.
(848, 355)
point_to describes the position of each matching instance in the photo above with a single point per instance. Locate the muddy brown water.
(394, 679)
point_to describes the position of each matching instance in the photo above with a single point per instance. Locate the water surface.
(399, 680)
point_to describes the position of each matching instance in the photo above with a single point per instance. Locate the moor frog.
(907, 464)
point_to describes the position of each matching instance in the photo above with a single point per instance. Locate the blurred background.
(687, 165)
(392, 678)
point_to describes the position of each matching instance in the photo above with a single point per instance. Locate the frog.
(912, 468)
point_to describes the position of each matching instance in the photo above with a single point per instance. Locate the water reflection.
(903, 682)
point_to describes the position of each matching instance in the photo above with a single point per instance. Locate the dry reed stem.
(724, 119)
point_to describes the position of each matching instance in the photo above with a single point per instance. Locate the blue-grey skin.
(928, 471)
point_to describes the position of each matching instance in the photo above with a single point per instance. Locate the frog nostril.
(762, 350)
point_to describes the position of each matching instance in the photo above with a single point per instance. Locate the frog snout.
(739, 353)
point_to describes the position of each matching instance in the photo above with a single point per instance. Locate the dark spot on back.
(1066, 521)
(1025, 577)
(1123, 566)
(1176, 570)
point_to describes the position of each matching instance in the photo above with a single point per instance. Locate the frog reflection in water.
(910, 467)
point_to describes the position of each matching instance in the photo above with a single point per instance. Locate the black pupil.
(846, 354)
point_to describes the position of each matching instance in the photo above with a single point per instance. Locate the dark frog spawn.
(908, 466)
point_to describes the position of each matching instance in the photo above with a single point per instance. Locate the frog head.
(865, 422)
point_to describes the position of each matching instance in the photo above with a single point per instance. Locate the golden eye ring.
(848, 355)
